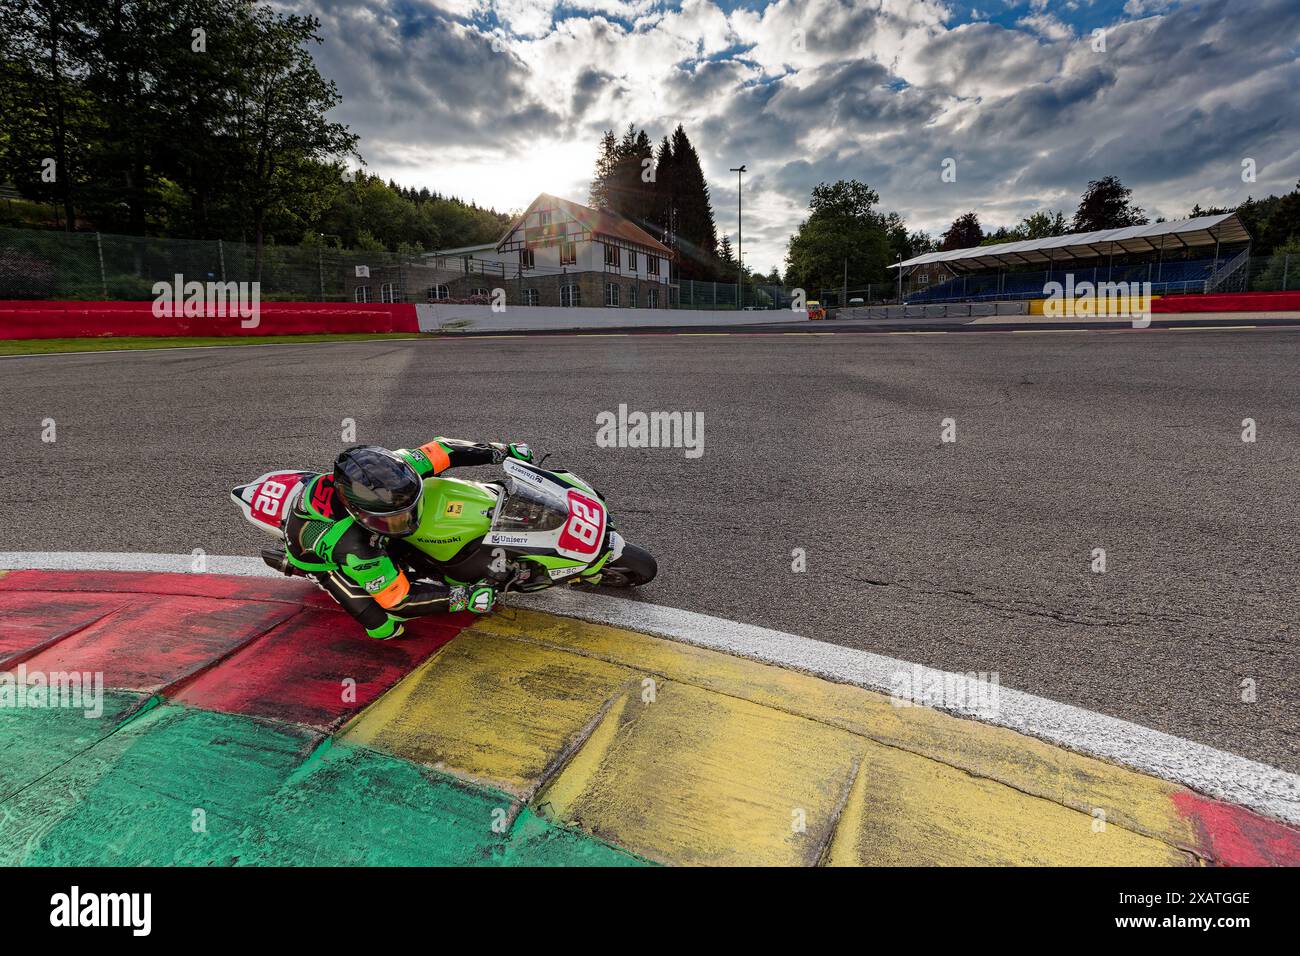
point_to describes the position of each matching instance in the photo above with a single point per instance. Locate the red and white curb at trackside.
(1213, 772)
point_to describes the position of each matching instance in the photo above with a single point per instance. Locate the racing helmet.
(381, 491)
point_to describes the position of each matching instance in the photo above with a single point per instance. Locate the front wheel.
(634, 567)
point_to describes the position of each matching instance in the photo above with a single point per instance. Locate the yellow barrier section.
(1100, 309)
(690, 756)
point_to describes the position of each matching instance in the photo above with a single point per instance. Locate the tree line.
(200, 118)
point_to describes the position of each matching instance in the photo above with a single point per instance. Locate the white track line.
(1216, 773)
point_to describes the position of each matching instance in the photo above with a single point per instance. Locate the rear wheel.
(634, 567)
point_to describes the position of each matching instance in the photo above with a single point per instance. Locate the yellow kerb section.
(690, 756)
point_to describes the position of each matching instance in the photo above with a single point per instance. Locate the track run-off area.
(825, 502)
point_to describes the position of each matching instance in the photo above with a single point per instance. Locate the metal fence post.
(103, 280)
(221, 254)
(1286, 268)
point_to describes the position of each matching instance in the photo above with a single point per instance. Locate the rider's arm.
(371, 568)
(435, 457)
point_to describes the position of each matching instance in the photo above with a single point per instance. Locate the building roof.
(598, 222)
(462, 249)
(1179, 234)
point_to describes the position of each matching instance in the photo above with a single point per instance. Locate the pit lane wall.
(480, 319)
(26, 319)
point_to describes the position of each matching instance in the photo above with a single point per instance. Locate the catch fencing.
(91, 266)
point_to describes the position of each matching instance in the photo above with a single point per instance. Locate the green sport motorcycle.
(527, 531)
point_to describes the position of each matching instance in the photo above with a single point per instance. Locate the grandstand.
(1205, 254)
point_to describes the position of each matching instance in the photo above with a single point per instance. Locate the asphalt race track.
(968, 556)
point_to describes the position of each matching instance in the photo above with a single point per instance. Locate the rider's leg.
(364, 609)
(433, 598)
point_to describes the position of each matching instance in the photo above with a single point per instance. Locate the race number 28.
(585, 528)
(269, 500)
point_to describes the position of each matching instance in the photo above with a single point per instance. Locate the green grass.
(41, 346)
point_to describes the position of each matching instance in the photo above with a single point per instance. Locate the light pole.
(740, 238)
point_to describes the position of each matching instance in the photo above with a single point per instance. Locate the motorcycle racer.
(338, 530)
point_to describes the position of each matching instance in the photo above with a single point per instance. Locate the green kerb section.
(176, 785)
(36, 741)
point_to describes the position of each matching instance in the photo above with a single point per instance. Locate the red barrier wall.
(21, 319)
(1230, 302)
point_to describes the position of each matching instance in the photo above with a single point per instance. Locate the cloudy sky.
(498, 100)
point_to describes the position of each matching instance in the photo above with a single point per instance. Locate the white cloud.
(810, 90)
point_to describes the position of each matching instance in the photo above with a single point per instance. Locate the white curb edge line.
(1213, 772)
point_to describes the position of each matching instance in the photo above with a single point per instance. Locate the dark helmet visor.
(395, 524)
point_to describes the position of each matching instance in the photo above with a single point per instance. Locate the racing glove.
(477, 598)
(501, 451)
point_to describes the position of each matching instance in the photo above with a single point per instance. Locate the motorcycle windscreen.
(526, 508)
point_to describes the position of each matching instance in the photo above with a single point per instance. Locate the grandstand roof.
(1179, 234)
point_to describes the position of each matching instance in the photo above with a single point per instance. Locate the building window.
(568, 253)
(544, 217)
(631, 260)
(652, 298)
(611, 294)
(652, 265)
(436, 292)
(361, 293)
(631, 297)
(923, 278)
(613, 256)
(482, 292)
(532, 297)
(525, 258)
(387, 292)
(570, 296)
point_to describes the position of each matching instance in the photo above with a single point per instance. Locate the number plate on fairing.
(584, 533)
(266, 501)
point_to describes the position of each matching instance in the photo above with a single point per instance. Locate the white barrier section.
(539, 318)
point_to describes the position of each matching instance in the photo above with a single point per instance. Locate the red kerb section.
(278, 649)
(1234, 836)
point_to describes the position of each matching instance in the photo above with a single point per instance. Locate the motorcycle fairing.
(267, 501)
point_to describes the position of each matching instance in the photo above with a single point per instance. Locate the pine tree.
(606, 157)
(695, 231)
(664, 195)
